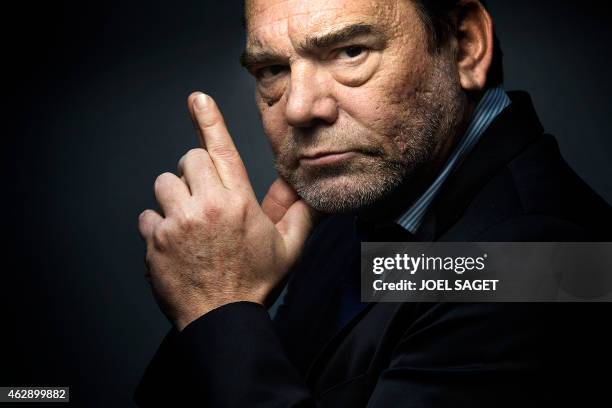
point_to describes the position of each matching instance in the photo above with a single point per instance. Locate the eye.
(352, 52)
(270, 71)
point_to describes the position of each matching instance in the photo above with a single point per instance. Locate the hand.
(214, 244)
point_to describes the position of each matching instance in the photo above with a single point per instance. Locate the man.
(388, 122)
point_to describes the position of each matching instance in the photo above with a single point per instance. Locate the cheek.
(274, 123)
(373, 106)
(386, 97)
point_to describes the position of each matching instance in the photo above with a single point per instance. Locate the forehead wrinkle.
(251, 10)
(268, 23)
(325, 20)
(260, 45)
(286, 19)
(284, 7)
(287, 16)
(257, 43)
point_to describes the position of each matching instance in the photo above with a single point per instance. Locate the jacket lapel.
(514, 129)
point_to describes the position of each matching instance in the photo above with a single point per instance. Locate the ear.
(474, 45)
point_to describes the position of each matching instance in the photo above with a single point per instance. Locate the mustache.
(308, 142)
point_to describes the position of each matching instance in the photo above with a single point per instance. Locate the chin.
(344, 194)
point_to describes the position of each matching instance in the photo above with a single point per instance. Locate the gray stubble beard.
(431, 118)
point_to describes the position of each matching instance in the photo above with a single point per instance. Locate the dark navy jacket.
(514, 186)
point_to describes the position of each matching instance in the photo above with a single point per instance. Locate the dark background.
(94, 106)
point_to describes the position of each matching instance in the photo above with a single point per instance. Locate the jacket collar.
(512, 131)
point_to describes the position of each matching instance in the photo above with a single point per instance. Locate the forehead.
(272, 21)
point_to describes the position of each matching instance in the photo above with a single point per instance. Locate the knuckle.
(241, 207)
(241, 202)
(209, 118)
(162, 236)
(164, 177)
(223, 151)
(142, 227)
(142, 218)
(194, 154)
(213, 213)
(187, 221)
(162, 180)
(193, 158)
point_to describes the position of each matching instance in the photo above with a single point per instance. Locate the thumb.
(280, 197)
(296, 226)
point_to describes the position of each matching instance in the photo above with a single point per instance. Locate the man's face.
(350, 98)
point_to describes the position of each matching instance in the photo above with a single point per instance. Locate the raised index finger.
(215, 138)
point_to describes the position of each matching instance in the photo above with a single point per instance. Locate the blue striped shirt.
(494, 101)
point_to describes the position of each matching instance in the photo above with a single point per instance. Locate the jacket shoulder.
(535, 197)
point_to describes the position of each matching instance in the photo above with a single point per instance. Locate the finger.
(296, 226)
(198, 171)
(171, 193)
(215, 138)
(147, 221)
(278, 200)
(147, 268)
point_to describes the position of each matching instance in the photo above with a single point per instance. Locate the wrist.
(185, 320)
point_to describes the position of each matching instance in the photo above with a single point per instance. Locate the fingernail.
(201, 102)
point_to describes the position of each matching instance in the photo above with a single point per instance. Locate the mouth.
(326, 158)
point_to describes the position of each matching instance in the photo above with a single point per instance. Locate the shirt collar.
(493, 102)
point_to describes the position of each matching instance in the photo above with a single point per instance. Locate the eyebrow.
(338, 36)
(250, 58)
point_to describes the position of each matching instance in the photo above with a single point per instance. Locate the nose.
(310, 97)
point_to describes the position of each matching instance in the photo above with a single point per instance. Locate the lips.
(325, 158)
